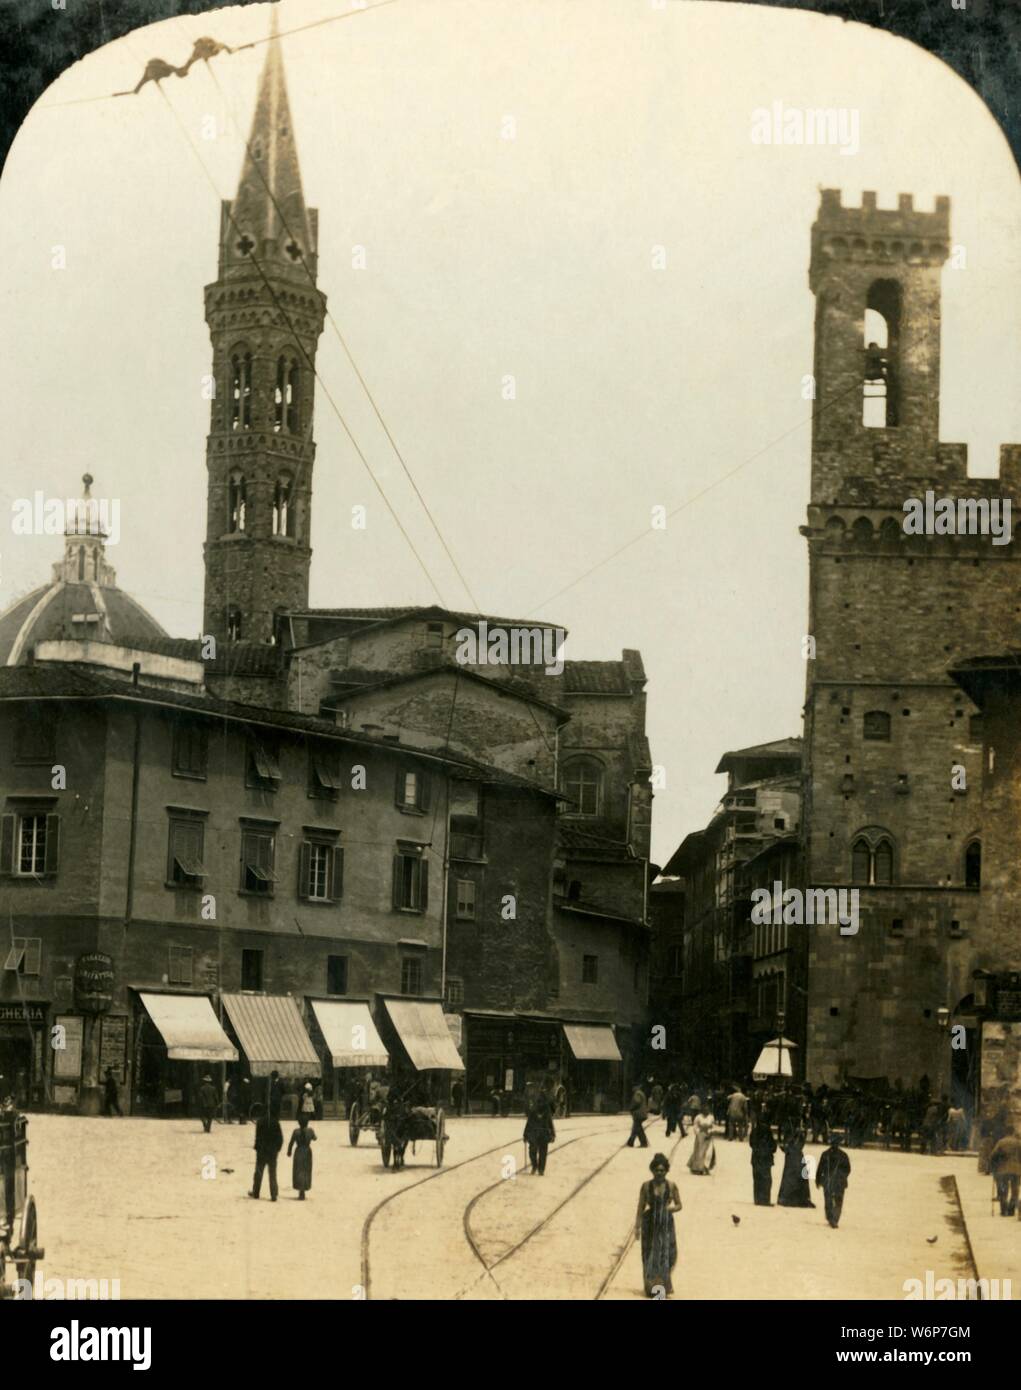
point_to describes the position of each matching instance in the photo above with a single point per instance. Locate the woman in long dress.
(301, 1146)
(794, 1186)
(658, 1199)
(703, 1155)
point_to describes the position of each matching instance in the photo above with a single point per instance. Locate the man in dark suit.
(269, 1140)
(831, 1175)
(639, 1113)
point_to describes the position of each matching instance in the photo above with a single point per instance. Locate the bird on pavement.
(736, 1219)
(931, 1240)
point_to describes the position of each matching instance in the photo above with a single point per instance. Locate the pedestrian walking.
(276, 1095)
(269, 1140)
(317, 1097)
(1005, 1166)
(111, 1100)
(655, 1097)
(703, 1155)
(301, 1146)
(540, 1131)
(243, 1100)
(658, 1200)
(763, 1147)
(672, 1109)
(737, 1115)
(306, 1108)
(957, 1128)
(795, 1190)
(831, 1175)
(457, 1096)
(495, 1101)
(207, 1102)
(639, 1113)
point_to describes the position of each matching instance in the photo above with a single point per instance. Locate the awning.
(423, 1030)
(272, 1035)
(774, 1060)
(189, 1027)
(592, 1042)
(350, 1034)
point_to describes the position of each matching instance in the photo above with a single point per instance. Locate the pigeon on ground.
(736, 1220)
(931, 1240)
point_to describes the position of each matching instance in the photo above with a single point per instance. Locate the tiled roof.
(76, 682)
(393, 614)
(575, 837)
(363, 680)
(596, 678)
(780, 748)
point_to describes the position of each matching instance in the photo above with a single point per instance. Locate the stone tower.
(885, 728)
(265, 316)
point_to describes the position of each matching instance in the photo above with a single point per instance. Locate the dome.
(82, 601)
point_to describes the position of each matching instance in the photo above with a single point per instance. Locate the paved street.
(127, 1199)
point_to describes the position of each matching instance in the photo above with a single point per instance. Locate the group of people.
(269, 1139)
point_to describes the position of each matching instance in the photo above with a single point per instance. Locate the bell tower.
(265, 315)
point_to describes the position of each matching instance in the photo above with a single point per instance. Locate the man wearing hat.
(207, 1102)
(831, 1175)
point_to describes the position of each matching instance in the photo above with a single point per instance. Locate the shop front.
(505, 1053)
(178, 1040)
(22, 1054)
(271, 1037)
(353, 1054)
(595, 1068)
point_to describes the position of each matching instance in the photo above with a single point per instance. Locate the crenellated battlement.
(905, 219)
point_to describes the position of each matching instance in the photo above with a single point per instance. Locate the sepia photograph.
(510, 666)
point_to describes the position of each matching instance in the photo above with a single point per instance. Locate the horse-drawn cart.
(403, 1124)
(19, 1227)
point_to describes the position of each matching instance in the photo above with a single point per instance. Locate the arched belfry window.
(882, 348)
(973, 865)
(872, 857)
(286, 413)
(234, 624)
(282, 506)
(582, 780)
(237, 503)
(241, 390)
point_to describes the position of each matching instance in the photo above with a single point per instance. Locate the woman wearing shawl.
(794, 1187)
(654, 1227)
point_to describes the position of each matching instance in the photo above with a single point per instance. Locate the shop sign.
(93, 982)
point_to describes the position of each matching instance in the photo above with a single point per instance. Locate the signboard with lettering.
(113, 1047)
(23, 1013)
(67, 1060)
(93, 982)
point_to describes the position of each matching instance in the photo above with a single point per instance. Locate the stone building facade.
(889, 612)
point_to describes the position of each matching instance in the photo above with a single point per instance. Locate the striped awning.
(188, 1026)
(350, 1034)
(271, 1034)
(592, 1042)
(423, 1030)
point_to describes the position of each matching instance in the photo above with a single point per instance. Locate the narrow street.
(127, 1200)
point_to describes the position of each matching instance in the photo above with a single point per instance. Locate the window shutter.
(423, 883)
(423, 791)
(7, 845)
(52, 843)
(304, 868)
(397, 881)
(399, 788)
(337, 873)
(33, 955)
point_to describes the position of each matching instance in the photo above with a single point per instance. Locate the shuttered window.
(29, 844)
(410, 882)
(181, 970)
(25, 955)
(320, 870)
(257, 862)
(185, 852)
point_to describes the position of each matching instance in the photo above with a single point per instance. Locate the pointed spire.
(269, 214)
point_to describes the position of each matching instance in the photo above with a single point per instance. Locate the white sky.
(487, 257)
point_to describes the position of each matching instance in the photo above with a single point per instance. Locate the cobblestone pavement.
(128, 1200)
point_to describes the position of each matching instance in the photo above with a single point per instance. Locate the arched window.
(234, 624)
(81, 562)
(876, 725)
(872, 857)
(282, 507)
(973, 865)
(285, 396)
(236, 502)
(241, 390)
(882, 338)
(583, 783)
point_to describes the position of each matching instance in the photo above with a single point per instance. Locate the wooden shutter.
(304, 868)
(423, 791)
(423, 883)
(398, 860)
(337, 872)
(7, 845)
(52, 844)
(33, 955)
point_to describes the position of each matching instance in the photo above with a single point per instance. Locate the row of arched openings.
(286, 392)
(873, 862)
(237, 504)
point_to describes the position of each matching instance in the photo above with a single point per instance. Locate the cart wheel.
(441, 1137)
(384, 1145)
(29, 1236)
(352, 1125)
